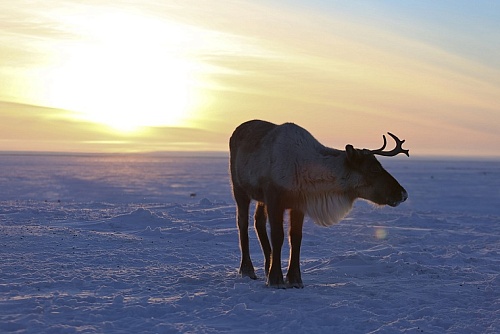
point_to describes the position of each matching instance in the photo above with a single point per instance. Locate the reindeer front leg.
(293, 276)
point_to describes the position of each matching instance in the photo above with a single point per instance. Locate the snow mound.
(205, 202)
(136, 220)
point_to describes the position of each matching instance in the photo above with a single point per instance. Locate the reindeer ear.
(353, 155)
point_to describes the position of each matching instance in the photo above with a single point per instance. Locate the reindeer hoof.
(297, 285)
(294, 279)
(275, 281)
(276, 286)
(248, 272)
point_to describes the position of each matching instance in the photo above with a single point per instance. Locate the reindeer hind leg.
(275, 212)
(260, 226)
(243, 204)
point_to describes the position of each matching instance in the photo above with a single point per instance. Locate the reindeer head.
(371, 181)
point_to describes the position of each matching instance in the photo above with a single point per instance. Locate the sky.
(151, 75)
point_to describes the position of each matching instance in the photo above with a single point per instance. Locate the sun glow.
(127, 72)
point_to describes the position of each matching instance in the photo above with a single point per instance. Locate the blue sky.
(470, 28)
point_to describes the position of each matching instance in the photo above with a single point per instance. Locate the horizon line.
(217, 153)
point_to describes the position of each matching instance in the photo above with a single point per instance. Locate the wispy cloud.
(344, 72)
(360, 77)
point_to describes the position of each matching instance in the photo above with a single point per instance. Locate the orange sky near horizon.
(125, 76)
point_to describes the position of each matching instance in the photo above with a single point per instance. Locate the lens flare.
(380, 233)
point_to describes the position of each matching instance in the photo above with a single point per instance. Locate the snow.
(148, 243)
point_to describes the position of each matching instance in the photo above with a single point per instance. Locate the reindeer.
(283, 167)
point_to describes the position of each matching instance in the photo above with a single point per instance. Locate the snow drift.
(145, 243)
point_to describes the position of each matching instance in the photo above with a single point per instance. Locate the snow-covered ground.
(148, 244)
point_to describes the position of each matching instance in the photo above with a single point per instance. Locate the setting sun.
(127, 72)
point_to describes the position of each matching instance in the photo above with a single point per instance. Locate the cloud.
(27, 127)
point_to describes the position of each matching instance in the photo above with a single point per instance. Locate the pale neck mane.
(327, 209)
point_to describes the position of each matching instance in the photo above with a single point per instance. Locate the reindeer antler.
(398, 149)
